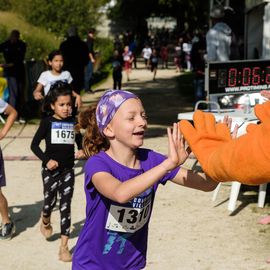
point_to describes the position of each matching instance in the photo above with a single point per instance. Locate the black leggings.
(61, 182)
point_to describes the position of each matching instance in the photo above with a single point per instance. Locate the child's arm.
(78, 99)
(38, 92)
(122, 192)
(12, 115)
(38, 137)
(194, 180)
(78, 139)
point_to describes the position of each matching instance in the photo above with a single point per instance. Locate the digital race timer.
(238, 77)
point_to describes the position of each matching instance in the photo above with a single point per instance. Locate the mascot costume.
(245, 159)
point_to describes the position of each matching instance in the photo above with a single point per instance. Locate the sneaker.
(22, 121)
(7, 231)
(46, 229)
(64, 254)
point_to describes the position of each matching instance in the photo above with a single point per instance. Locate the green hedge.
(5, 4)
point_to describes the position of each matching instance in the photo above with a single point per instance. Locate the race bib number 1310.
(127, 219)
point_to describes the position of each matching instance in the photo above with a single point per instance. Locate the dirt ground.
(187, 230)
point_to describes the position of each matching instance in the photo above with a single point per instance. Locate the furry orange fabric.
(245, 159)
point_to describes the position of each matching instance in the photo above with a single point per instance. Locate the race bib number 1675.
(62, 133)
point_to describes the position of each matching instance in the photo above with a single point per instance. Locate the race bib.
(62, 133)
(127, 219)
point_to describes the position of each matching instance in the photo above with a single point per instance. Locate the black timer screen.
(239, 77)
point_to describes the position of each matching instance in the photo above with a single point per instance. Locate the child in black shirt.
(57, 130)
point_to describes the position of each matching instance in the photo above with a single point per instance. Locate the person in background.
(187, 47)
(76, 57)
(154, 63)
(133, 49)
(164, 55)
(178, 55)
(8, 228)
(218, 37)
(54, 74)
(128, 59)
(14, 50)
(198, 63)
(117, 63)
(146, 53)
(4, 91)
(90, 65)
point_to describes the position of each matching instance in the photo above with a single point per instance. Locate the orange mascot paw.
(245, 159)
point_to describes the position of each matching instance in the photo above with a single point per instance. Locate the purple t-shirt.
(114, 236)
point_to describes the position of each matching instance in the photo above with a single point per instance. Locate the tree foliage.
(5, 5)
(58, 15)
(193, 12)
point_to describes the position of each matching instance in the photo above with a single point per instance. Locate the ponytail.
(93, 141)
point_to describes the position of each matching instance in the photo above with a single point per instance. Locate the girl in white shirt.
(50, 77)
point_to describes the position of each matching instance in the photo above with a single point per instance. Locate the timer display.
(238, 77)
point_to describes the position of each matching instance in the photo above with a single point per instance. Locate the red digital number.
(232, 78)
(246, 76)
(267, 75)
(256, 75)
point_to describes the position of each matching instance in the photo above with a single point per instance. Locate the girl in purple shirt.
(121, 180)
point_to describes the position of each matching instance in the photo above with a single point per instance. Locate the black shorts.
(154, 66)
(2, 171)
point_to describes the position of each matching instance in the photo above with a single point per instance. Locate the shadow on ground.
(25, 216)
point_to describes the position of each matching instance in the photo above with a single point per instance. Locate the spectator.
(14, 50)
(219, 36)
(198, 62)
(218, 39)
(117, 63)
(75, 53)
(90, 65)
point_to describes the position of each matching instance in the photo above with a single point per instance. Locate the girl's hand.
(80, 154)
(177, 153)
(228, 122)
(52, 164)
(265, 94)
(78, 101)
(38, 95)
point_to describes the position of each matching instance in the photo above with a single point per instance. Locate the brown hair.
(93, 141)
